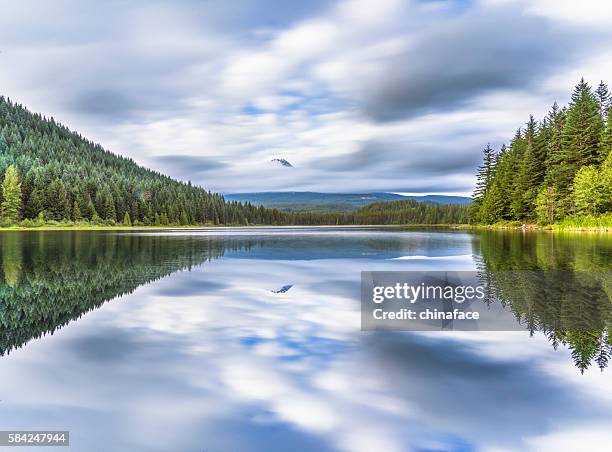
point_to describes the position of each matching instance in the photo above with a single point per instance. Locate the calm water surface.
(249, 340)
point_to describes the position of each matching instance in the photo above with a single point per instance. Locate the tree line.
(555, 169)
(399, 212)
(53, 175)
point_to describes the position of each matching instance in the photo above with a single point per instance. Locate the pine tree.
(485, 172)
(109, 208)
(579, 145)
(11, 196)
(184, 219)
(605, 144)
(34, 204)
(56, 201)
(90, 209)
(556, 121)
(603, 99)
(582, 131)
(126, 219)
(76, 211)
(531, 172)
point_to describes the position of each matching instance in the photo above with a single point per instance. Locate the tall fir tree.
(485, 172)
(582, 130)
(605, 144)
(531, 172)
(602, 95)
(579, 144)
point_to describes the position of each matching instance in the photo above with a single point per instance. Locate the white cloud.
(151, 80)
(586, 12)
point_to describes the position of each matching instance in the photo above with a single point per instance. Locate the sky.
(358, 96)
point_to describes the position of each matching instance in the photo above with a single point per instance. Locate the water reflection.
(559, 284)
(53, 278)
(210, 358)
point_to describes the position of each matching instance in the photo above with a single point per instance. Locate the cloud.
(470, 55)
(400, 98)
(188, 164)
(103, 102)
(397, 158)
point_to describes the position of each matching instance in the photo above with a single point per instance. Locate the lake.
(249, 340)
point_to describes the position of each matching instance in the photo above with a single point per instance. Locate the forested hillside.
(52, 173)
(556, 169)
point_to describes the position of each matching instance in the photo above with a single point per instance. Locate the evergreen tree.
(501, 192)
(90, 209)
(605, 144)
(11, 196)
(126, 219)
(109, 208)
(580, 137)
(56, 201)
(518, 147)
(485, 172)
(582, 130)
(34, 204)
(531, 172)
(602, 96)
(76, 211)
(184, 219)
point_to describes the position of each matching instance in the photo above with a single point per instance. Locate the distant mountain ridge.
(315, 201)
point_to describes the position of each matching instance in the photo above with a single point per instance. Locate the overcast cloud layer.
(358, 95)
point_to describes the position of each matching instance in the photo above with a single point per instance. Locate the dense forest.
(406, 211)
(556, 169)
(51, 175)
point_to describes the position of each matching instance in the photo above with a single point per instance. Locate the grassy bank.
(587, 223)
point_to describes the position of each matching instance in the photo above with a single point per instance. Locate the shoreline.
(224, 226)
(535, 228)
(501, 227)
